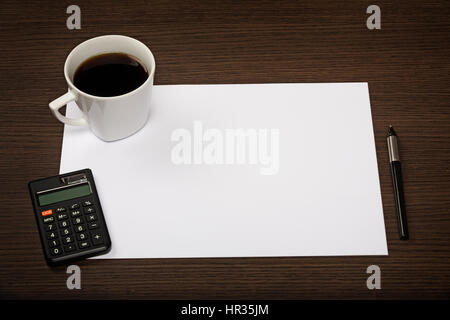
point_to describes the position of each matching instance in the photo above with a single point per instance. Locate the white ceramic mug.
(109, 118)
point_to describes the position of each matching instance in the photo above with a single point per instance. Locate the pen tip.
(391, 131)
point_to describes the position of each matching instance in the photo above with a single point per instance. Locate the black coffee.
(110, 74)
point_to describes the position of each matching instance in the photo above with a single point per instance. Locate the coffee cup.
(108, 117)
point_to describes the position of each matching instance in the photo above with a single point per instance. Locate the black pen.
(396, 172)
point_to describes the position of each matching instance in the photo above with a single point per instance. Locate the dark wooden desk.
(406, 64)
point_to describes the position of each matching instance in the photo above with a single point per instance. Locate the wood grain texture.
(406, 64)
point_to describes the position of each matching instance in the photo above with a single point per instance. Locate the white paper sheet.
(324, 199)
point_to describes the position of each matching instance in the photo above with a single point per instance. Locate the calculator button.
(56, 251)
(66, 231)
(77, 220)
(62, 216)
(52, 235)
(89, 210)
(67, 239)
(97, 238)
(75, 213)
(82, 236)
(50, 227)
(53, 243)
(74, 206)
(87, 203)
(91, 217)
(64, 224)
(69, 247)
(60, 209)
(83, 244)
(46, 213)
(48, 219)
(80, 228)
(93, 225)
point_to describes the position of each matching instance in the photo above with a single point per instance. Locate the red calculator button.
(46, 212)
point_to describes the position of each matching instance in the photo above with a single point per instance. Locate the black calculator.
(69, 217)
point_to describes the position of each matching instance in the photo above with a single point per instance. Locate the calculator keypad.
(52, 235)
(74, 206)
(48, 219)
(53, 243)
(80, 228)
(75, 213)
(97, 238)
(56, 251)
(69, 230)
(70, 248)
(84, 244)
(74, 227)
(50, 227)
(93, 225)
(62, 216)
(60, 209)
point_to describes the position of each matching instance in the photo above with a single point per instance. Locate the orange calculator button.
(46, 212)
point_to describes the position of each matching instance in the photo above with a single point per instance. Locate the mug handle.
(60, 102)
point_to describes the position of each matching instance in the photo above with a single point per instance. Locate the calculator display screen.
(64, 194)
